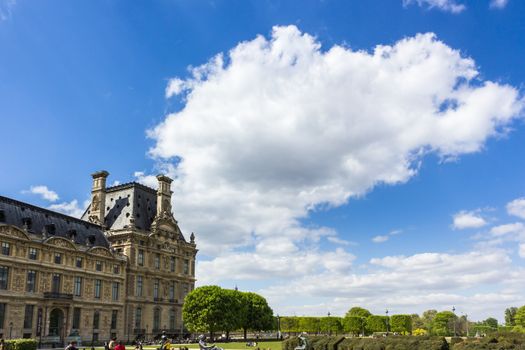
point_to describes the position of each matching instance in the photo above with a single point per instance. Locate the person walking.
(112, 343)
(72, 345)
(120, 346)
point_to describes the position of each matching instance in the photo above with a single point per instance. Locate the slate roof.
(13, 212)
(127, 201)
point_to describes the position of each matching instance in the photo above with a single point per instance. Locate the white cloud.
(380, 239)
(44, 192)
(277, 128)
(70, 208)
(444, 5)
(499, 4)
(517, 208)
(514, 228)
(468, 219)
(337, 240)
(522, 250)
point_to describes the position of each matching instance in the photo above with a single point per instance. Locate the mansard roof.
(47, 223)
(130, 205)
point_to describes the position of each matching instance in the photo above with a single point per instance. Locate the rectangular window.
(172, 319)
(2, 315)
(139, 286)
(98, 265)
(138, 317)
(55, 283)
(6, 248)
(115, 290)
(33, 254)
(31, 281)
(76, 318)
(28, 316)
(172, 264)
(96, 320)
(78, 286)
(156, 289)
(186, 267)
(140, 257)
(186, 289)
(171, 291)
(98, 287)
(4, 277)
(114, 315)
(58, 258)
(157, 262)
(116, 269)
(79, 262)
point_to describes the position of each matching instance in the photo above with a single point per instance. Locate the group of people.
(112, 345)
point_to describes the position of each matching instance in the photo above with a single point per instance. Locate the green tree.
(330, 324)
(235, 310)
(510, 314)
(443, 323)
(203, 310)
(428, 319)
(519, 318)
(308, 324)
(401, 323)
(259, 316)
(491, 322)
(417, 322)
(358, 311)
(376, 323)
(354, 324)
(289, 324)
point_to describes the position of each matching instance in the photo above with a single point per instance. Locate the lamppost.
(466, 323)
(454, 319)
(328, 323)
(10, 329)
(386, 312)
(278, 327)
(147, 326)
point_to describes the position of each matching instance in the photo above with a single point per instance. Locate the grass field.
(275, 345)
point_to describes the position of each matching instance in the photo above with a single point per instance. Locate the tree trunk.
(245, 332)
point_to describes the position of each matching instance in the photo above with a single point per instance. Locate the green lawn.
(275, 345)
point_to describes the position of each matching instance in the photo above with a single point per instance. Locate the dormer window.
(72, 234)
(27, 222)
(2, 216)
(50, 229)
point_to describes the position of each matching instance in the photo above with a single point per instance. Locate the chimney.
(164, 195)
(98, 197)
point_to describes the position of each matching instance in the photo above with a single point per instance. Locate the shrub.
(21, 344)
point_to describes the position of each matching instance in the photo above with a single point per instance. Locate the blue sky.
(331, 141)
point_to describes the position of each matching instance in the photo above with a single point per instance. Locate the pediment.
(101, 251)
(60, 242)
(13, 231)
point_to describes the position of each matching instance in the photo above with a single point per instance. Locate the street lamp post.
(10, 329)
(329, 329)
(386, 312)
(146, 336)
(454, 319)
(466, 323)
(278, 327)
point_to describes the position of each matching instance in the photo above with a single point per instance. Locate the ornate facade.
(121, 270)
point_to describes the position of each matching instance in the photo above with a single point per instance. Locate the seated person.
(203, 345)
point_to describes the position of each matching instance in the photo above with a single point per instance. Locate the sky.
(327, 154)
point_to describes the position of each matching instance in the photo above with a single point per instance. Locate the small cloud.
(380, 239)
(502, 230)
(70, 208)
(444, 5)
(498, 4)
(340, 241)
(468, 219)
(395, 232)
(517, 207)
(115, 183)
(44, 192)
(522, 250)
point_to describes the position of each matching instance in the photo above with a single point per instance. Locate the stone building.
(121, 270)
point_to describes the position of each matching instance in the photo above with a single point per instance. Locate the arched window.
(156, 319)
(172, 319)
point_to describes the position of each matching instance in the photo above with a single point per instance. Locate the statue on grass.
(303, 342)
(204, 346)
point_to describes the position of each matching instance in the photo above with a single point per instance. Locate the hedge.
(21, 344)
(383, 343)
(497, 341)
